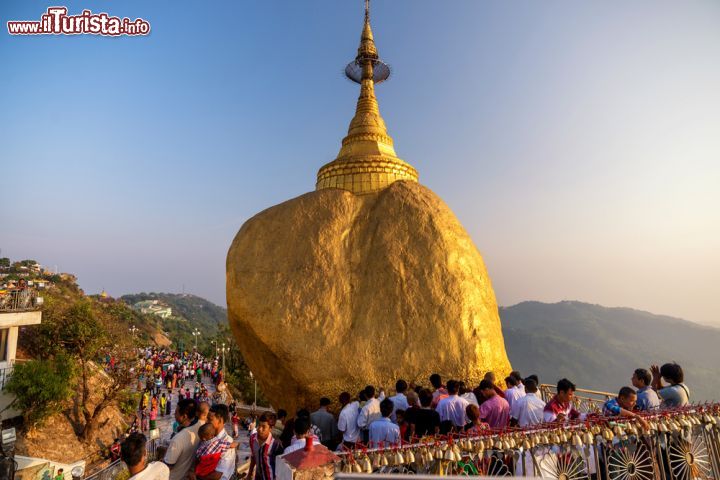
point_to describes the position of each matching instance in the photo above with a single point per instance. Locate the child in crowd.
(210, 450)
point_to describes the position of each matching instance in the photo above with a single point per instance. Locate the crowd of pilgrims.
(202, 449)
(414, 411)
(163, 378)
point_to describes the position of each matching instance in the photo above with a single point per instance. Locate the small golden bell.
(366, 465)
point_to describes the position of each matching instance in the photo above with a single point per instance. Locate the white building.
(153, 307)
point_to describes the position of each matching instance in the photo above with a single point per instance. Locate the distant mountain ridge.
(599, 347)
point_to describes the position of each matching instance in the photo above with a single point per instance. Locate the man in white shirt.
(181, 450)
(301, 426)
(347, 421)
(370, 411)
(133, 452)
(399, 400)
(520, 381)
(452, 408)
(528, 410)
(467, 394)
(513, 392)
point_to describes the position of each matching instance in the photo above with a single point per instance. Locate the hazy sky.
(578, 142)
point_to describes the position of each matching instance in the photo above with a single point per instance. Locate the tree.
(85, 331)
(4, 262)
(39, 387)
(88, 335)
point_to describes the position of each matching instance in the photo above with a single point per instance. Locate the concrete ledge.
(18, 319)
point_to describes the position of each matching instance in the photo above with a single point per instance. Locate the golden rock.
(332, 291)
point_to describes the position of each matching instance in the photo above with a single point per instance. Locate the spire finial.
(367, 161)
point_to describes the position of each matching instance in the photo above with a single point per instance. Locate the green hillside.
(188, 312)
(599, 347)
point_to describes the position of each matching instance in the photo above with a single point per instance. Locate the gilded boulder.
(331, 291)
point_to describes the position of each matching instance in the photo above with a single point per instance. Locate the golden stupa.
(368, 279)
(367, 161)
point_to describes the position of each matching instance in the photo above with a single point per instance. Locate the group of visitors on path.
(165, 377)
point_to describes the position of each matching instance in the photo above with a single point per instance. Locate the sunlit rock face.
(332, 291)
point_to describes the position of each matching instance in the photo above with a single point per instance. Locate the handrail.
(5, 374)
(20, 301)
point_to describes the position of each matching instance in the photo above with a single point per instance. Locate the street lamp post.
(196, 334)
(255, 381)
(224, 350)
(133, 329)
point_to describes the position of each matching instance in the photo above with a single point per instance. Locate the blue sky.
(578, 142)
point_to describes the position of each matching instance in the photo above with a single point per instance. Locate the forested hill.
(599, 347)
(189, 312)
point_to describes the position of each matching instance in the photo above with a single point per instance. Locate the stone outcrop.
(331, 291)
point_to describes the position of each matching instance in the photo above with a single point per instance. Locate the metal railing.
(5, 374)
(20, 301)
(118, 468)
(677, 444)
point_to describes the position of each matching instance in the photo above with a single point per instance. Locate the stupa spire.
(367, 161)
